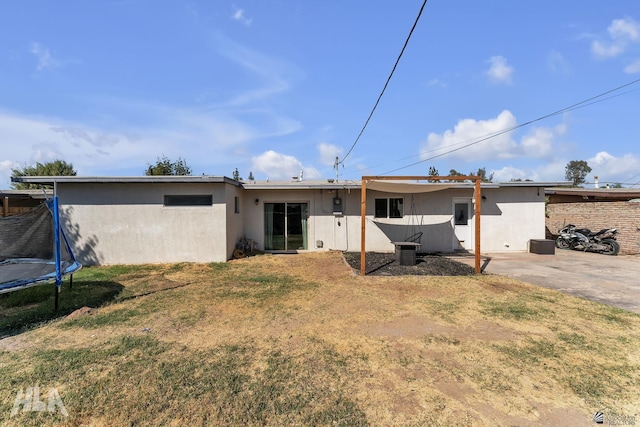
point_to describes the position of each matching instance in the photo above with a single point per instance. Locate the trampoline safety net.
(27, 249)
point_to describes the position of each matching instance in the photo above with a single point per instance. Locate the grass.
(299, 340)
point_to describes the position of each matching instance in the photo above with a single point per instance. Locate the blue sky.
(274, 87)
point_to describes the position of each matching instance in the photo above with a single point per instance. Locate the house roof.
(596, 193)
(329, 184)
(26, 194)
(50, 180)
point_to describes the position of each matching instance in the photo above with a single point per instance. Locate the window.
(236, 204)
(188, 200)
(389, 208)
(462, 213)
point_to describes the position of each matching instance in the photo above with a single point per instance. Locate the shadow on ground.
(385, 264)
(24, 309)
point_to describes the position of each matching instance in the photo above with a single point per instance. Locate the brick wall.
(624, 216)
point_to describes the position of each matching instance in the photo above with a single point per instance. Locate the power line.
(581, 104)
(385, 86)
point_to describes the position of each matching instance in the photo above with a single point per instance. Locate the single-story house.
(163, 219)
(14, 202)
(597, 208)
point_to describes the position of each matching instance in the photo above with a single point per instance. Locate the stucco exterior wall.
(127, 223)
(510, 218)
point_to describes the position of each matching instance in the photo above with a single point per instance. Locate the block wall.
(622, 215)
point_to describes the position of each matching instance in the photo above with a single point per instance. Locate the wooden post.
(363, 226)
(477, 211)
(5, 206)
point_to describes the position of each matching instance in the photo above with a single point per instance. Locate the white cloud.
(609, 168)
(633, 68)
(558, 63)
(45, 59)
(205, 139)
(277, 166)
(624, 29)
(468, 131)
(328, 153)
(437, 83)
(621, 33)
(240, 16)
(273, 75)
(551, 171)
(490, 139)
(499, 71)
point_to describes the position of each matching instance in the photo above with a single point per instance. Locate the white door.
(461, 223)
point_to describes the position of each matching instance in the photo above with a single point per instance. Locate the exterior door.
(285, 226)
(461, 223)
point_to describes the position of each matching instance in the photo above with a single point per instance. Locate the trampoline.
(34, 249)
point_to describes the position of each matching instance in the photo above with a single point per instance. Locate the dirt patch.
(84, 311)
(385, 264)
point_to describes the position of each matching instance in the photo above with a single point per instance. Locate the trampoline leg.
(57, 299)
(71, 281)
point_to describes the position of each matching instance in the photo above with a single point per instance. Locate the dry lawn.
(302, 340)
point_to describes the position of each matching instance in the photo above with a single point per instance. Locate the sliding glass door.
(285, 226)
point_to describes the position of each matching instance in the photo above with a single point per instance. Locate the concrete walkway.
(612, 280)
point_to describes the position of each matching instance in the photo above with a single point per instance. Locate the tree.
(576, 171)
(434, 172)
(53, 168)
(164, 166)
(236, 175)
(251, 178)
(453, 172)
(482, 173)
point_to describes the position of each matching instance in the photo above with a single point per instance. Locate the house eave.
(51, 180)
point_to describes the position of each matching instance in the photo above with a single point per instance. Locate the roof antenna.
(336, 166)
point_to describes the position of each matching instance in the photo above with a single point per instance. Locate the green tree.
(576, 171)
(53, 168)
(164, 166)
(251, 178)
(482, 173)
(616, 185)
(236, 175)
(453, 172)
(434, 172)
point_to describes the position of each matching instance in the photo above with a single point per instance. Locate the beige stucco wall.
(510, 217)
(127, 223)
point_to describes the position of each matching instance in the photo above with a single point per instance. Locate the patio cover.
(414, 187)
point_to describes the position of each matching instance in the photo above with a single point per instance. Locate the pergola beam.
(363, 209)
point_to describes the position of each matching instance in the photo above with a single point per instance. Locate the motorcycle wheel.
(613, 247)
(562, 243)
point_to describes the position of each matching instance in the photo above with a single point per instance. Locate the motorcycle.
(603, 241)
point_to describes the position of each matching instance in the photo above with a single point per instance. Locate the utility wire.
(385, 85)
(581, 104)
